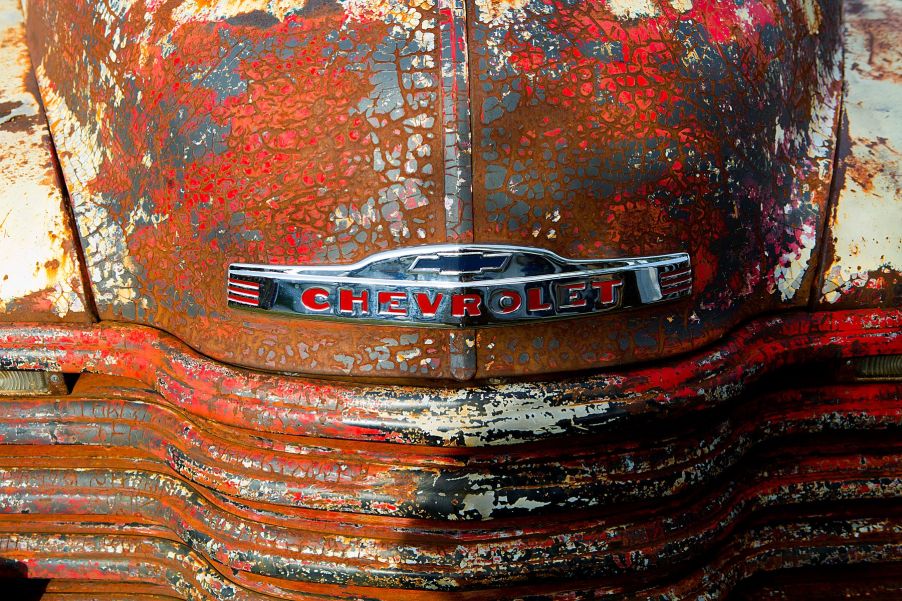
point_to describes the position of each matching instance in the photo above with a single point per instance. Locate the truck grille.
(161, 469)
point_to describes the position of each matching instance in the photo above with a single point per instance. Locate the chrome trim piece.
(461, 285)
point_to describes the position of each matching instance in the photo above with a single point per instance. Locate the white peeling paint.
(793, 265)
(632, 9)
(35, 258)
(528, 504)
(84, 157)
(818, 136)
(407, 15)
(199, 10)
(867, 228)
(812, 13)
(482, 503)
(498, 12)
(81, 156)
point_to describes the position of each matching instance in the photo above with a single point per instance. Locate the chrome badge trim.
(460, 286)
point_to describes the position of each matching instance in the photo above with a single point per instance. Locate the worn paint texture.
(194, 134)
(825, 584)
(40, 276)
(864, 262)
(493, 414)
(147, 472)
(622, 127)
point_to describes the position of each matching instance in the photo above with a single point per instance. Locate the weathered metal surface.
(882, 582)
(25, 383)
(118, 481)
(370, 478)
(196, 134)
(808, 540)
(40, 276)
(80, 590)
(492, 414)
(193, 136)
(610, 127)
(863, 264)
(256, 132)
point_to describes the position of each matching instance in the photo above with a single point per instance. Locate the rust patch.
(40, 277)
(119, 482)
(491, 414)
(865, 268)
(195, 134)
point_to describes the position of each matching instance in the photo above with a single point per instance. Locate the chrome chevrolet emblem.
(460, 285)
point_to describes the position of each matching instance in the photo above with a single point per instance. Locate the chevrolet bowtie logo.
(460, 263)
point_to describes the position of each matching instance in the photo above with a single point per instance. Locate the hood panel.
(195, 136)
(623, 129)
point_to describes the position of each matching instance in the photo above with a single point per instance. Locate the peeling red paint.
(457, 416)
(324, 134)
(193, 134)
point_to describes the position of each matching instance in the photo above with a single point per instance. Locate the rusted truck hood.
(194, 135)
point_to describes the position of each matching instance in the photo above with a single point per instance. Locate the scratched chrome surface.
(193, 135)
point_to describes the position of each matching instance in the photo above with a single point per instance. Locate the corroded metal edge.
(458, 174)
(40, 270)
(801, 476)
(145, 553)
(31, 383)
(864, 252)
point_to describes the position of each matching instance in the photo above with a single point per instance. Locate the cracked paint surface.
(196, 134)
(623, 128)
(270, 132)
(40, 277)
(864, 261)
(194, 130)
(184, 495)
